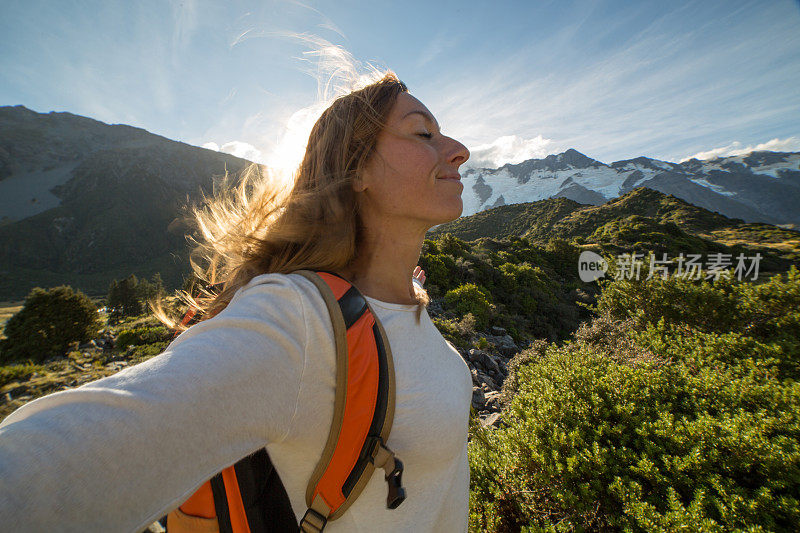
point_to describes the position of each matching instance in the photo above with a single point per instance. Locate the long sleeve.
(118, 453)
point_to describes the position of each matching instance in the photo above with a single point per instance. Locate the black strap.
(264, 497)
(353, 306)
(272, 505)
(221, 504)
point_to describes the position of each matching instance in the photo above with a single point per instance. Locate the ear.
(359, 184)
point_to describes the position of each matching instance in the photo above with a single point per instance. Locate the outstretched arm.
(118, 453)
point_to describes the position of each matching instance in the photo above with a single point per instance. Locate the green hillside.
(641, 220)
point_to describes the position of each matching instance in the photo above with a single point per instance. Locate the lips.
(455, 177)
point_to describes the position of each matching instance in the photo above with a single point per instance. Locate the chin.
(453, 214)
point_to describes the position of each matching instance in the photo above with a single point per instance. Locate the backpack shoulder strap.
(363, 408)
(248, 497)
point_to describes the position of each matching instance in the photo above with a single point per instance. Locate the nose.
(457, 153)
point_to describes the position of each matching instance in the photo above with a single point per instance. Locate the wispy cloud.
(439, 44)
(508, 149)
(185, 19)
(790, 144)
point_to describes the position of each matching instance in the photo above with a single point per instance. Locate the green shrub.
(652, 421)
(129, 297)
(469, 298)
(48, 323)
(441, 272)
(451, 245)
(767, 312)
(145, 351)
(596, 443)
(142, 335)
(531, 288)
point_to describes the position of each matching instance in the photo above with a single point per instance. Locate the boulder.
(478, 398)
(490, 363)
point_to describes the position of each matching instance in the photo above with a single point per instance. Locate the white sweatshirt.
(118, 453)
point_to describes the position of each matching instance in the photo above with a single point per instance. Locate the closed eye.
(426, 135)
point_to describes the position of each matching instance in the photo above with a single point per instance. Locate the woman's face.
(413, 174)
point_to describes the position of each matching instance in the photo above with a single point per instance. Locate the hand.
(419, 275)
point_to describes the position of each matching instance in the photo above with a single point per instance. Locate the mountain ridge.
(757, 187)
(94, 202)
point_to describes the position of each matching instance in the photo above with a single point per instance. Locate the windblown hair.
(256, 228)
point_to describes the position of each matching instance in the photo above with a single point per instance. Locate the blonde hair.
(256, 228)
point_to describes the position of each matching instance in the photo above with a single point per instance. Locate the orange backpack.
(248, 497)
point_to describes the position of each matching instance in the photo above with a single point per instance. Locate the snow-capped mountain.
(757, 187)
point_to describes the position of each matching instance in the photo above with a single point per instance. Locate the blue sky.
(512, 80)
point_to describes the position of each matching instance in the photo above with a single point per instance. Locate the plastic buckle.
(317, 516)
(397, 494)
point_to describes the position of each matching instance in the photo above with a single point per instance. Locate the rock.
(488, 381)
(435, 308)
(490, 363)
(478, 398)
(475, 356)
(497, 330)
(503, 367)
(493, 400)
(492, 419)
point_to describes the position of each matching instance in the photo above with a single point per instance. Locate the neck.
(385, 263)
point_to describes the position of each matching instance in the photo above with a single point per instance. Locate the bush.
(129, 296)
(441, 272)
(48, 323)
(660, 421)
(594, 443)
(468, 298)
(142, 335)
(531, 288)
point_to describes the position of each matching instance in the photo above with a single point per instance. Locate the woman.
(118, 453)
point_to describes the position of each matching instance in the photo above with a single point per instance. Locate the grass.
(25, 381)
